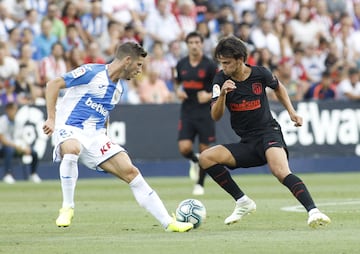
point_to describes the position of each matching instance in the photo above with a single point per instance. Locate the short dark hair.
(132, 49)
(231, 47)
(193, 35)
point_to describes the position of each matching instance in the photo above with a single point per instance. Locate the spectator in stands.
(243, 32)
(9, 67)
(31, 22)
(210, 39)
(8, 94)
(39, 5)
(299, 71)
(57, 25)
(152, 89)
(74, 59)
(293, 87)
(44, 40)
(27, 37)
(186, 16)
(93, 54)
(11, 147)
(70, 15)
(174, 54)
(287, 41)
(32, 66)
(313, 61)
(24, 86)
(227, 28)
(264, 37)
(94, 23)
(129, 34)
(347, 40)
(323, 90)
(53, 65)
(161, 26)
(322, 16)
(14, 42)
(305, 30)
(110, 38)
(159, 61)
(349, 88)
(6, 23)
(266, 59)
(122, 11)
(72, 39)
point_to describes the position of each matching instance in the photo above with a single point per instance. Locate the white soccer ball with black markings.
(191, 210)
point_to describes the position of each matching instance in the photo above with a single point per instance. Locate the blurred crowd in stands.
(313, 46)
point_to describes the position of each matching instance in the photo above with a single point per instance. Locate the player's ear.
(128, 59)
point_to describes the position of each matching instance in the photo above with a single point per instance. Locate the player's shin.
(148, 198)
(68, 177)
(223, 178)
(299, 190)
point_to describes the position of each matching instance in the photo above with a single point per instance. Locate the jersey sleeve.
(79, 76)
(213, 69)
(216, 86)
(270, 79)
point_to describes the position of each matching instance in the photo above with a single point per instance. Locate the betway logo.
(97, 106)
(327, 126)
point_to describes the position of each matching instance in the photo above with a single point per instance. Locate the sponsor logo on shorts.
(272, 143)
(105, 147)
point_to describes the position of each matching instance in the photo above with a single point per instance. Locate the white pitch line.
(300, 208)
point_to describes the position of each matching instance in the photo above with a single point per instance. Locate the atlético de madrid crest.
(257, 88)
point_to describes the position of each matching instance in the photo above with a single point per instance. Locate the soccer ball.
(191, 210)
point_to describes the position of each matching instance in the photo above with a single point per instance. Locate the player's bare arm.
(51, 94)
(284, 98)
(218, 108)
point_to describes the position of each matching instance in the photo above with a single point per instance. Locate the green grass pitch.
(108, 219)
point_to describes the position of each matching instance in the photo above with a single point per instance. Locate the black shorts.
(251, 152)
(204, 128)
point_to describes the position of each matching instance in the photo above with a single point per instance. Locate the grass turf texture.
(108, 219)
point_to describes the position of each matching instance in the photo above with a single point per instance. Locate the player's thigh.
(121, 166)
(70, 146)
(278, 162)
(218, 154)
(186, 129)
(247, 155)
(205, 129)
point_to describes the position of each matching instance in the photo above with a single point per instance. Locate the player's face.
(134, 68)
(229, 65)
(195, 46)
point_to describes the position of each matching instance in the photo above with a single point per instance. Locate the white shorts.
(96, 146)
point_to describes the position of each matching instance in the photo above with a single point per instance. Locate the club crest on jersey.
(257, 88)
(78, 72)
(201, 73)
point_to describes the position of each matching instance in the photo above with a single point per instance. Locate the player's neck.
(195, 59)
(242, 74)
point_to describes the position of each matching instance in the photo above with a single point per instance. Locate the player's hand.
(298, 120)
(48, 126)
(181, 94)
(227, 87)
(203, 97)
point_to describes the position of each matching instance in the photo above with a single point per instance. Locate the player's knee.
(205, 159)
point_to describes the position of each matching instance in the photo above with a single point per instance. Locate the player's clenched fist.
(228, 86)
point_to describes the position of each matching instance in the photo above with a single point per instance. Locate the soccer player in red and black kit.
(194, 75)
(241, 89)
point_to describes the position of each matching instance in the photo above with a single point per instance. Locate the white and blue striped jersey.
(89, 97)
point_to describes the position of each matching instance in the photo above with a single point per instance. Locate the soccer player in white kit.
(78, 123)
